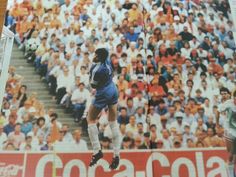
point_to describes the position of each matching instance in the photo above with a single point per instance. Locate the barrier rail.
(6, 44)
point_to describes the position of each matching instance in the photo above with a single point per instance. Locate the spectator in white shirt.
(87, 30)
(188, 116)
(166, 139)
(132, 126)
(189, 89)
(198, 125)
(179, 124)
(139, 101)
(94, 15)
(84, 76)
(229, 66)
(67, 135)
(79, 144)
(43, 128)
(140, 117)
(80, 100)
(71, 47)
(200, 35)
(208, 107)
(37, 145)
(74, 69)
(28, 143)
(48, 4)
(201, 52)
(177, 25)
(230, 83)
(177, 143)
(192, 28)
(154, 118)
(211, 20)
(226, 50)
(26, 109)
(64, 81)
(188, 135)
(117, 37)
(132, 52)
(206, 89)
(194, 43)
(62, 146)
(186, 50)
(67, 7)
(182, 10)
(17, 137)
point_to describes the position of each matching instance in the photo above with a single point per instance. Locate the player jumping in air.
(106, 96)
(229, 107)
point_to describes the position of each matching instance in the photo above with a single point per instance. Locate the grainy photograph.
(118, 88)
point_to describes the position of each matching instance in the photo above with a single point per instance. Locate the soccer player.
(229, 107)
(106, 96)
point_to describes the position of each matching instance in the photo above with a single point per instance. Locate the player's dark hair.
(234, 94)
(102, 54)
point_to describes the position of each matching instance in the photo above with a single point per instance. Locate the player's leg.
(93, 134)
(230, 165)
(112, 116)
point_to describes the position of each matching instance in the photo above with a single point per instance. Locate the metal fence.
(6, 44)
(2, 51)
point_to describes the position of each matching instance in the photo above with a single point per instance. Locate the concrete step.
(24, 69)
(39, 91)
(39, 87)
(35, 84)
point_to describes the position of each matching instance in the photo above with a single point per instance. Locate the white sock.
(93, 136)
(115, 137)
(230, 168)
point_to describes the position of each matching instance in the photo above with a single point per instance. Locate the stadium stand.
(174, 62)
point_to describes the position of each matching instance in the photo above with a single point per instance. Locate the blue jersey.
(101, 75)
(101, 79)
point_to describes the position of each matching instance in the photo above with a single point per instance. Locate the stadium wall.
(177, 163)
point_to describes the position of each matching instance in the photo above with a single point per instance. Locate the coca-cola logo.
(195, 165)
(9, 170)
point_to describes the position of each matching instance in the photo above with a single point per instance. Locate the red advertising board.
(11, 164)
(184, 163)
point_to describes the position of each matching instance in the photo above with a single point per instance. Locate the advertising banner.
(194, 163)
(11, 165)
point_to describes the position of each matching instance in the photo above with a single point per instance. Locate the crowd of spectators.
(174, 62)
(25, 125)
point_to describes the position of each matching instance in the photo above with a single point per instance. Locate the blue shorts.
(106, 96)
